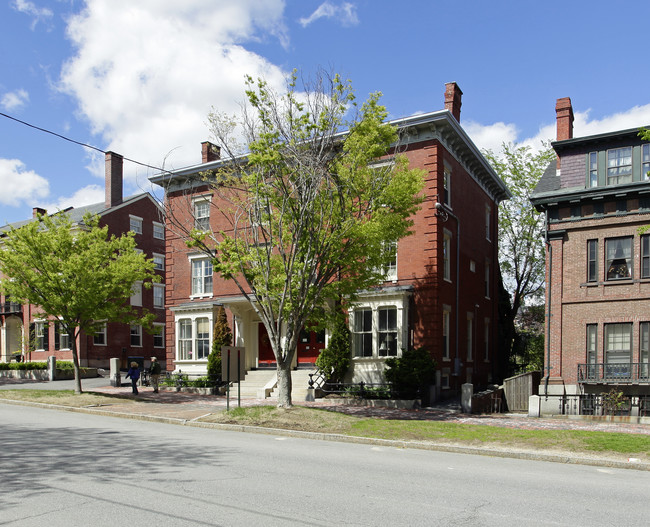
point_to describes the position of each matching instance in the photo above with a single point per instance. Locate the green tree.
(521, 238)
(335, 359)
(75, 273)
(221, 336)
(309, 212)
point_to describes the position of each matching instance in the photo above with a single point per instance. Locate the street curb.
(390, 443)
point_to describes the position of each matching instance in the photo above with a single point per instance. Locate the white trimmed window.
(99, 338)
(136, 335)
(379, 327)
(158, 335)
(41, 335)
(390, 269)
(136, 294)
(446, 186)
(202, 214)
(201, 277)
(159, 261)
(619, 165)
(158, 295)
(61, 337)
(194, 335)
(135, 224)
(158, 231)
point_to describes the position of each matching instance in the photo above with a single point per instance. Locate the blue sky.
(140, 77)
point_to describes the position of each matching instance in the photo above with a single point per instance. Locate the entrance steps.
(262, 384)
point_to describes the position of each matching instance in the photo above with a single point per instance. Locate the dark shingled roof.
(550, 181)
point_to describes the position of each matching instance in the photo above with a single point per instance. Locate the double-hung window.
(158, 231)
(592, 260)
(619, 165)
(99, 338)
(61, 337)
(136, 294)
(158, 335)
(41, 335)
(592, 350)
(619, 258)
(202, 344)
(158, 295)
(644, 351)
(618, 351)
(593, 169)
(202, 215)
(387, 332)
(446, 315)
(193, 338)
(135, 224)
(136, 335)
(645, 256)
(446, 186)
(362, 331)
(184, 351)
(159, 261)
(645, 162)
(390, 267)
(201, 277)
(446, 256)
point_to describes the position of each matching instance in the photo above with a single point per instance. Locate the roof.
(440, 125)
(76, 214)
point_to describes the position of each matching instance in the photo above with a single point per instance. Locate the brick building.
(139, 213)
(596, 197)
(440, 291)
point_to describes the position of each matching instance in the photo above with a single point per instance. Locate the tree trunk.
(75, 362)
(284, 384)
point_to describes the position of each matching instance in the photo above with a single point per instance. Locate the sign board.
(229, 354)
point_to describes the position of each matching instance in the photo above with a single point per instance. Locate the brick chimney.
(209, 152)
(564, 117)
(113, 171)
(37, 210)
(453, 96)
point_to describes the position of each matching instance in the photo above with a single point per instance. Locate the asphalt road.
(59, 468)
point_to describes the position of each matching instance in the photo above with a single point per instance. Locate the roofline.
(401, 123)
(567, 195)
(597, 137)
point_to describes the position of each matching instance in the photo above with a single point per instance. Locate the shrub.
(23, 366)
(411, 373)
(335, 359)
(222, 336)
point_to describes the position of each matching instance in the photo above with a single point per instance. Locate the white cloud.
(85, 196)
(492, 136)
(146, 74)
(38, 14)
(19, 185)
(14, 100)
(346, 14)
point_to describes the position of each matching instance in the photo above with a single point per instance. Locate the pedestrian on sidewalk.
(134, 375)
(155, 373)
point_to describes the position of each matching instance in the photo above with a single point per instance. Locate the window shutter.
(46, 336)
(57, 337)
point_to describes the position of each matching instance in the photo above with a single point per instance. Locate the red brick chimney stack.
(37, 210)
(453, 96)
(564, 117)
(209, 152)
(114, 175)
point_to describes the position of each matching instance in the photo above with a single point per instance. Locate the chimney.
(37, 210)
(209, 152)
(564, 117)
(453, 95)
(113, 182)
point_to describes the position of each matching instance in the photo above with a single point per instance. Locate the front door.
(265, 350)
(310, 344)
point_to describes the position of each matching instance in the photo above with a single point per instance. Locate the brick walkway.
(178, 405)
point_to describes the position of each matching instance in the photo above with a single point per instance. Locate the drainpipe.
(548, 307)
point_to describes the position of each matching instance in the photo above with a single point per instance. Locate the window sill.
(199, 297)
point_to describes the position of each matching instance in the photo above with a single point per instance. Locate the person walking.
(134, 375)
(155, 373)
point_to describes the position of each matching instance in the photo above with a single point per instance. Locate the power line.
(85, 145)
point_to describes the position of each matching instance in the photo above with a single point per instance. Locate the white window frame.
(63, 337)
(159, 293)
(135, 224)
(187, 346)
(614, 164)
(611, 256)
(158, 261)
(100, 333)
(136, 294)
(376, 304)
(158, 333)
(592, 159)
(446, 185)
(206, 286)
(158, 230)
(201, 222)
(39, 335)
(135, 331)
(390, 269)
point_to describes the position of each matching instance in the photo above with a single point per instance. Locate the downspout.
(549, 247)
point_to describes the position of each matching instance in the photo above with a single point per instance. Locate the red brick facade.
(419, 292)
(117, 214)
(598, 314)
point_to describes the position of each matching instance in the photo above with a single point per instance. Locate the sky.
(139, 78)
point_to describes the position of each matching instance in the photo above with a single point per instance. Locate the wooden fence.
(519, 388)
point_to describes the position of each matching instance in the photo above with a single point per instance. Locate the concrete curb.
(389, 443)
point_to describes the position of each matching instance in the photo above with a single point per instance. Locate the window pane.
(619, 258)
